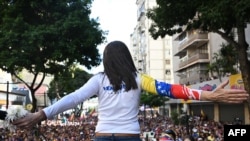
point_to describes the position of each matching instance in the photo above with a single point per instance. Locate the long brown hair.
(119, 66)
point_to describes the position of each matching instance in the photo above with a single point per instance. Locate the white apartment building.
(153, 57)
(4, 79)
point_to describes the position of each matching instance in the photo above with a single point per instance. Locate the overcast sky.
(116, 16)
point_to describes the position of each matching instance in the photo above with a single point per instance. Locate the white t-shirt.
(117, 112)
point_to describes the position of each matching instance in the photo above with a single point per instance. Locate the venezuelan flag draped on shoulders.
(175, 91)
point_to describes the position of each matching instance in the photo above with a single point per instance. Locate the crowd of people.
(195, 130)
(151, 130)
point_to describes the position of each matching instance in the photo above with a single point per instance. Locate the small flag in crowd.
(202, 113)
(92, 112)
(72, 117)
(82, 116)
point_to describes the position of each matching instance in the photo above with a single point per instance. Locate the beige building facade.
(195, 50)
(19, 92)
(182, 58)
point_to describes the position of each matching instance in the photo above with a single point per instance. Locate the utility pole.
(7, 83)
(45, 99)
(7, 96)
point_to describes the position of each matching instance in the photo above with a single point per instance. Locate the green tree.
(46, 37)
(175, 117)
(67, 82)
(224, 62)
(152, 100)
(222, 17)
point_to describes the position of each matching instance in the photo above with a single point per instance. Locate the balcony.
(198, 58)
(194, 40)
(194, 79)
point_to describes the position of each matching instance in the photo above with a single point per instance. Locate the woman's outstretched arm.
(177, 91)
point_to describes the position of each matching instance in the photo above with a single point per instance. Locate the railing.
(193, 79)
(193, 58)
(193, 38)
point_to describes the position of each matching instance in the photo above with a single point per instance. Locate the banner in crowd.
(236, 82)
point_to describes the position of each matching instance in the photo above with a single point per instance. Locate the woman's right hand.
(225, 95)
(30, 120)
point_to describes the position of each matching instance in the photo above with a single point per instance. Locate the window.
(167, 61)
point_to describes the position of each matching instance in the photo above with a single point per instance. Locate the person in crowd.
(118, 89)
(168, 135)
(188, 138)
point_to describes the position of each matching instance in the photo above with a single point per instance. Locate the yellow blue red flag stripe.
(175, 91)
